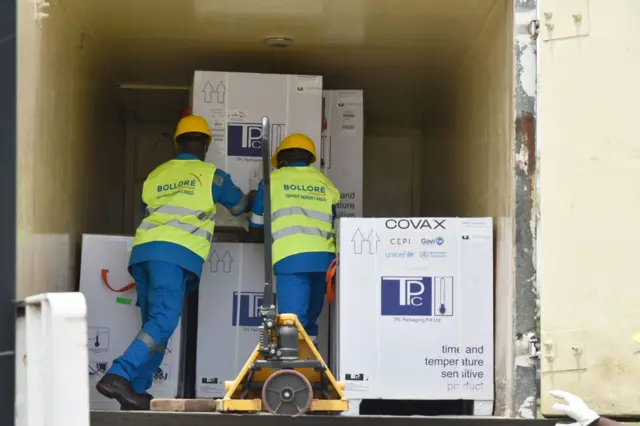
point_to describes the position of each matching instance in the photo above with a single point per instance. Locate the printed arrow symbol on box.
(358, 240)
(220, 89)
(227, 260)
(208, 92)
(215, 259)
(371, 239)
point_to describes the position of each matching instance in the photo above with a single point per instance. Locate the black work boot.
(129, 408)
(115, 387)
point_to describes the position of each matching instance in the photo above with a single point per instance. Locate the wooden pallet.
(185, 405)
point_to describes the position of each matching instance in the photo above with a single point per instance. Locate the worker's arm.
(228, 194)
(143, 208)
(578, 410)
(334, 210)
(256, 219)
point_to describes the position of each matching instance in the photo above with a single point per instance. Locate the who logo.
(246, 308)
(245, 139)
(406, 296)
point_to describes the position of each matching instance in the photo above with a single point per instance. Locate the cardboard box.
(342, 147)
(231, 293)
(234, 104)
(114, 320)
(415, 308)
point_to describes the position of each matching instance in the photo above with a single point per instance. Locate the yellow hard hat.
(636, 337)
(295, 140)
(192, 124)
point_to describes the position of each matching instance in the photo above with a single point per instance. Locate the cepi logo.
(245, 139)
(406, 296)
(400, 241)
(246, 308)
(400, 254)
(431, 241)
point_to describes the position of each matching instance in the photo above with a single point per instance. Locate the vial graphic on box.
(443, 296)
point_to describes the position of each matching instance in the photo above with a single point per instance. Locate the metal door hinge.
(534, 29)
(534, 347)
(39, 15)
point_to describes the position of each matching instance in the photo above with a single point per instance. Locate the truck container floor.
(125, 418)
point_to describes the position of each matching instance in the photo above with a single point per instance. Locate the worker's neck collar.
(186, 156)
(297, 164)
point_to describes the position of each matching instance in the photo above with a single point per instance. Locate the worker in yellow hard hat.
(171, 244)
(303, 210)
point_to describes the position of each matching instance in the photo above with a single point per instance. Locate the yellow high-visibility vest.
(180, 206)
(301, 212)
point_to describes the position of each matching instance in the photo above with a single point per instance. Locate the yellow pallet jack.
(285, 374)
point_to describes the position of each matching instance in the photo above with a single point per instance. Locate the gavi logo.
(245, 139)
(406, 296)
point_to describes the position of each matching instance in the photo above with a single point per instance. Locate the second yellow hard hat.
(295, 140)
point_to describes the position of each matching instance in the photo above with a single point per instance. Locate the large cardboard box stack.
(234, 104)
(113, 319)
(342, 147)
(415, 308)
(231, 293)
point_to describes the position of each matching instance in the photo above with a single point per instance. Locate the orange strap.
(124, 289)
(331, 280)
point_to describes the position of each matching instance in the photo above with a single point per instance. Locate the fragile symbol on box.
(98, 368)
(245, 139)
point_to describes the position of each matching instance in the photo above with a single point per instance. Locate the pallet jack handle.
(268, 299)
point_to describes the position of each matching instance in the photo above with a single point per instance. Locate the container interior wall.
(81, 144)
(70, 149)
(468, 161)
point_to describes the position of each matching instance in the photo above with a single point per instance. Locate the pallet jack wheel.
(287, 393)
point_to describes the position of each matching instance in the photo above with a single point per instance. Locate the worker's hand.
(575, 408)
(250, 196)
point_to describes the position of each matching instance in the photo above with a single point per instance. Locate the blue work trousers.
(302, 294)
(161, 288)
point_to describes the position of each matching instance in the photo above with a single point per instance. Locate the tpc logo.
(249, 304)
(406, 296)
(245, 139)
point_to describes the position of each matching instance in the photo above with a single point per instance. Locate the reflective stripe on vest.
(292, 230)
(301, 212)
(181, 211)
(313, 214)
(191, 229)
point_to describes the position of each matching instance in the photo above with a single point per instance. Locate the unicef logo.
(439, 241)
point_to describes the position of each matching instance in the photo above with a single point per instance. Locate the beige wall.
(69, 148)
(588, 252)
(469, 165)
